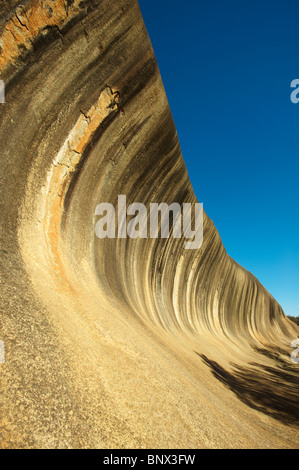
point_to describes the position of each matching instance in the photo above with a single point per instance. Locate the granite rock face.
(118, 343)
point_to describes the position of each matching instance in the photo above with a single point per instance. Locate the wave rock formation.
(118, 343)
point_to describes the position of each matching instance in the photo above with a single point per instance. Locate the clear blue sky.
(227, 67)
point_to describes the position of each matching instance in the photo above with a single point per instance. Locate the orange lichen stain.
(64, 166)
(52, 222)
(28, 22)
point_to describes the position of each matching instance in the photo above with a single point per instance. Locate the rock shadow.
(271, 390)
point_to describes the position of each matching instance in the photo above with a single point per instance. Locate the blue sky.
(227, 67)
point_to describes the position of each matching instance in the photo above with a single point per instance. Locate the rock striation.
(118, 343)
